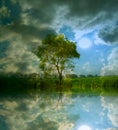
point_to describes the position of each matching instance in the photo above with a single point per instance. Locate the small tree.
(55, 54)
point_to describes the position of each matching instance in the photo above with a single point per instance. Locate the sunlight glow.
(84, 127)
(84, 43)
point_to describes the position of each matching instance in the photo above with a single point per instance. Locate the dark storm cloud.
(92, 7)
(109, 34)
(9, 12)
(43, 12)
(93, 12)
(17, 39)
(27, 31)
(3, 48)
(77, 7)
(88, 12)
(42, 15)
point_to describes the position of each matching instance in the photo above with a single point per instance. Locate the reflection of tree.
(60, 96)
(52, 100)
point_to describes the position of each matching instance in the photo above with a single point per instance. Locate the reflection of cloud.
(110, 129)
(111, 104)
(42, 123)
(26, 114)
(42, 113)
(112, 67)
(3, 124)
(65, 126)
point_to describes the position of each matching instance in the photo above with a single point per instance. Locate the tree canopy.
(55, 54)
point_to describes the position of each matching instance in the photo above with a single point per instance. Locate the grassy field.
(107, 85)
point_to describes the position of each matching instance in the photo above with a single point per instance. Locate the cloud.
(88, 7)
(97, 40)
(112, 67)
(87, 67)
(28, 31)
(109, 34)
(17, 40)
(17, 56)
(9, 12)
(86, 13)
(80, 12)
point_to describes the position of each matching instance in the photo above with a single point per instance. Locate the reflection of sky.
(91, 113)
(99, 113)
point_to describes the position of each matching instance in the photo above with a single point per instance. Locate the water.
(49, 112)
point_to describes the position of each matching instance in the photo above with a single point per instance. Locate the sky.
(92, 24)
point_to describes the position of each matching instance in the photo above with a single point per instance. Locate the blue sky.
(93, 52)
(93, 25)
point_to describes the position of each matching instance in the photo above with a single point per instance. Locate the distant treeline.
(15, 83)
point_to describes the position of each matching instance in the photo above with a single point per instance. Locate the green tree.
(55, 54)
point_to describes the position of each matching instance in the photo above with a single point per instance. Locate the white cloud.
(98, 40)
(86, 66)
(112, 67)
(59, 19)
(18, 56)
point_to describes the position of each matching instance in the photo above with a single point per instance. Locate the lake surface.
(58, 112)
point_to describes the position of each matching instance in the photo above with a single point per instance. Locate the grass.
(107, 85)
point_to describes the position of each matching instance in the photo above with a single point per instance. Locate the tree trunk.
(60, 82)
(60, 77)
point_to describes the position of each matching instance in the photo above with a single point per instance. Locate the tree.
(55, 54)
(82, 76)
(90, 75)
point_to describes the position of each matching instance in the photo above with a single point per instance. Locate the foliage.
(97, 85)
(55, 54)
(15, 84)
